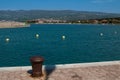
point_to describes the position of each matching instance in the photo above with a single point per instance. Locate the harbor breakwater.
(12, 24)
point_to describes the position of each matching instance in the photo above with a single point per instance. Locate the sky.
(109, 6)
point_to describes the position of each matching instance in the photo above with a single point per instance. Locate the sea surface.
(59, 44)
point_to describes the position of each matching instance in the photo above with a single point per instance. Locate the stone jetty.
(12, 24)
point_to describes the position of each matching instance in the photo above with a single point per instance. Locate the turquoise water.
(82, 43)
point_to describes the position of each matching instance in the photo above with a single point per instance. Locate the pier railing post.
(36, 62)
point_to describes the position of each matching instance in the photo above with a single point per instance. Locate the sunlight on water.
(63, 37)
(7, 39)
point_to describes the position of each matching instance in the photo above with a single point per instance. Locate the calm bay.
(80, 44)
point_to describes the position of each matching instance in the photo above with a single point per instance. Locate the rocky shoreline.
(12, 24)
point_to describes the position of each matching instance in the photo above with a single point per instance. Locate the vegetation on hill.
(69, 15)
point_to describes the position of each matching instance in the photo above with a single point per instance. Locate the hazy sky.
(112, 6)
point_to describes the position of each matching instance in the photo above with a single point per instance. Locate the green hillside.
(22, 15)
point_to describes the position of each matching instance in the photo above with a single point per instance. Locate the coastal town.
(89, 21)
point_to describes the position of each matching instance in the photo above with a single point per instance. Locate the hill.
(22, 15)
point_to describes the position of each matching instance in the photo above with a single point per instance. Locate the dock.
(80, 71)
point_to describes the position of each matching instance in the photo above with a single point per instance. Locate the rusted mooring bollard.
(36, 62)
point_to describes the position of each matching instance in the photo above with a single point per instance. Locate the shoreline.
(73, 24)
(22, 25)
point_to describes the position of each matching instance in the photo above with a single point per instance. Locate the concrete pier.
(80, 71)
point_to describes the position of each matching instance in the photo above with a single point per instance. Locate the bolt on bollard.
(36, 62)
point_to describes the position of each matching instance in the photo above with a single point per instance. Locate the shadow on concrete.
(49, 69)
(29, 72)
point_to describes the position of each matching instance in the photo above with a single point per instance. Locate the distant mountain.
(22, 15)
